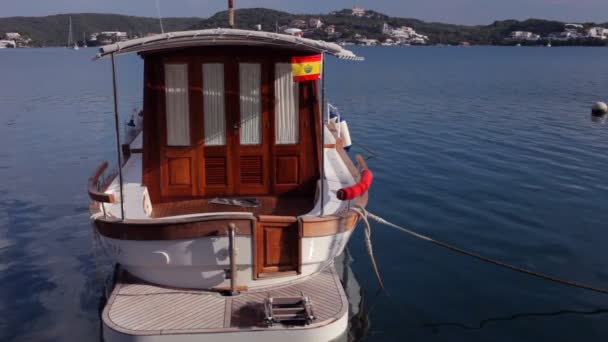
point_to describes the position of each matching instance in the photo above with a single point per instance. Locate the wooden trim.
(277, 219)
(176, 229)
(153, 89)
(97, 195)
(361, 161)
(191, 228)
(313, 226)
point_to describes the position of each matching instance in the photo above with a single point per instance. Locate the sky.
(449, 11)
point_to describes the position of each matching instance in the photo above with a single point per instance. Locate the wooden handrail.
(94, 193)
(361, 161)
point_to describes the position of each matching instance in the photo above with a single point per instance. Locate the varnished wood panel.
(325, 226)
(287, 170)
(276, 255)
(277, 247)
(179, 171)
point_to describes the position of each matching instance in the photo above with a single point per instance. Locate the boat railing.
(363, 184)
(331, 108)
(96, 185)
(362, 164)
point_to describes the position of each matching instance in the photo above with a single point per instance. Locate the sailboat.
(71, 43)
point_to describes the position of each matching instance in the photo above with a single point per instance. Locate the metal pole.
(322, 132)
(232, 247)
(231, 13)
(116, 126)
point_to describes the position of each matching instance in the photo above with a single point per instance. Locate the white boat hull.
(201, 263)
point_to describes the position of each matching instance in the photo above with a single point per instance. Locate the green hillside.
(53, 30)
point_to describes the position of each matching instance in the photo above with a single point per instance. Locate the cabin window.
(287, 105)
(214, 104)
(177, 108)
(250, 103)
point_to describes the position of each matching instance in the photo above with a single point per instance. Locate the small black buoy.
(599, 109)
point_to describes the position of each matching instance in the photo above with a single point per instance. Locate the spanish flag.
(306, 68)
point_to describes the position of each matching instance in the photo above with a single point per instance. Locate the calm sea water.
(491, 149)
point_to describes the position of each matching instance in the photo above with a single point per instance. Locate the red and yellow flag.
(306, 68)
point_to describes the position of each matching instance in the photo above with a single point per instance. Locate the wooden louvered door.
(251, 128)
(216, 143)
(235, 127)
(177, 156)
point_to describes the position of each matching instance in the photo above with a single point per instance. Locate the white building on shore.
(358, 11)
(315, 23)
(598, 32)
(4, 43)
(404, 35)
(13, 36)
(524, 35)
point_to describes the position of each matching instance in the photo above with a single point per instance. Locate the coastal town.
(355, 26)
(571, 32)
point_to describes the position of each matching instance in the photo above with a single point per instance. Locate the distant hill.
(53, 30)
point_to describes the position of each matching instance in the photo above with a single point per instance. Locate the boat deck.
(136, 308)
(269, 205)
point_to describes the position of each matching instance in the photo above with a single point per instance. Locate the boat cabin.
(229, 121)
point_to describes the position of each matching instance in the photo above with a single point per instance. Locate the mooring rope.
(368, 242)
(365, 215)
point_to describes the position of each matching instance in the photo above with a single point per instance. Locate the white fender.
(345, 134)
(130, 130)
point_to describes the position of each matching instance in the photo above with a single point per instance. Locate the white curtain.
(214, 104)
(286, 93)
(177, 108)
(250, 103)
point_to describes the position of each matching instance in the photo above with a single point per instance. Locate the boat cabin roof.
(225, 37)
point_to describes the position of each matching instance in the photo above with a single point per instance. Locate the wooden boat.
(232, 185)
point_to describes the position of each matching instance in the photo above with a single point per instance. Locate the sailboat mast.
(70, 34)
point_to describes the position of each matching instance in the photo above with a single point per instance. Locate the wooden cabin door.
(235, 122)
(216, 144)
(251, 129)
(177, 156)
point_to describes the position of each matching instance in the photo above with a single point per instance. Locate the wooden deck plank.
(139, 308)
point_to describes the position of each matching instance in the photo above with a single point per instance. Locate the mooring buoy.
(599, 108)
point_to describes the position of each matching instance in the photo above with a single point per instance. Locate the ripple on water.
(490, 149)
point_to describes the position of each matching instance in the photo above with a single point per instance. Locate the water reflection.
(599, 118)
(358, 310)
(481, 324)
